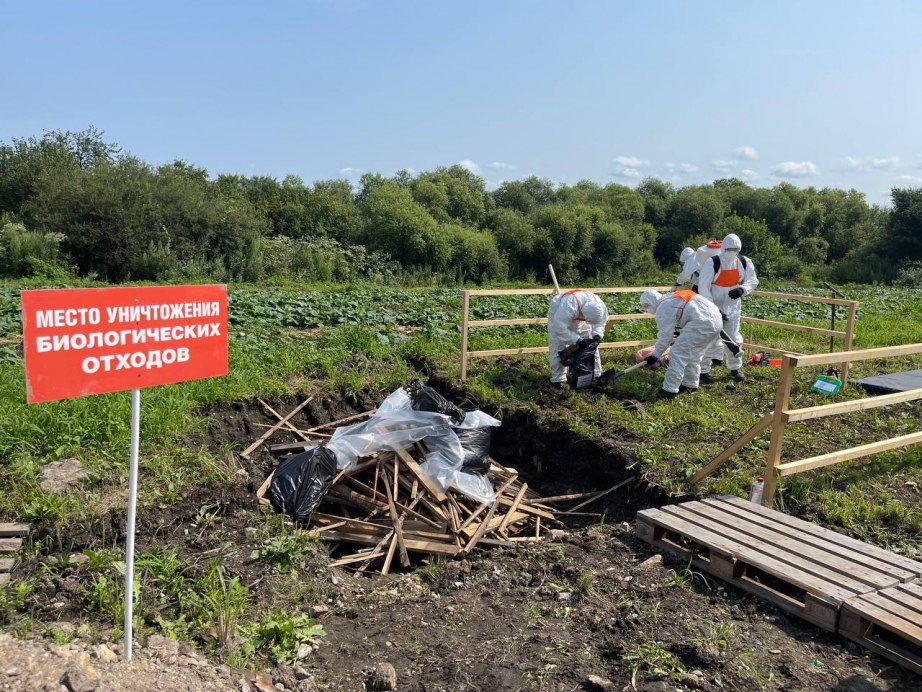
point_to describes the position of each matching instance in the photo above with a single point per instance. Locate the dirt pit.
(591, 600)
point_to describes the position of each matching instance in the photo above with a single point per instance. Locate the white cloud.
(501, 166)
(869, 163)
(631, 161)
(748, 174)
(723, 166)
(885, 163)
(629, 166)
(913, 179)
(747, 152)
(688, 168)
(349, 170)
(470, 166)
(794, 169)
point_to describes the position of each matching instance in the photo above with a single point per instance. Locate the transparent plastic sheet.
(445, 461)
(395, 425)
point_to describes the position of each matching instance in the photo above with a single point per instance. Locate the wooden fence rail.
(846, 335)
(782, 414)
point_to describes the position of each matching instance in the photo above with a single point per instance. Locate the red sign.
(94, 340)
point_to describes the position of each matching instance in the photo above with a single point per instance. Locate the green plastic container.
(827, 384)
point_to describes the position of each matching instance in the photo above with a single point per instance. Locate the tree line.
(73, 204)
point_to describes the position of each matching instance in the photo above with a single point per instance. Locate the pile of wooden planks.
(390, 507)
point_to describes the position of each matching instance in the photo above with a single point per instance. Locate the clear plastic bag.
(395, 425)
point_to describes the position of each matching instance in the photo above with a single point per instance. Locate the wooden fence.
(779, 418)
(846, 335)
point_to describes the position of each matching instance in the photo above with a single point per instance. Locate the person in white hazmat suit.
(573, 318)
(689, 267)
(724, 280)
(699, 321)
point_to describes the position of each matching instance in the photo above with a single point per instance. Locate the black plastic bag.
(301, 482)
(424, 398)
(475, 442)
(581, 365)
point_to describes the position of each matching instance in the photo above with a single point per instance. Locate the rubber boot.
(716, 362)
(687, 390)
(737, 376)
(706, 378)
(557, 385)
(663, 394)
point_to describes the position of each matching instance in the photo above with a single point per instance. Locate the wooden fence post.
(849, 337)
(779, 422)
(465, 318)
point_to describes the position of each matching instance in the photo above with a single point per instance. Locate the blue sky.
(818, 93)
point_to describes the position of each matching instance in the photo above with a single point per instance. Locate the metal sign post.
(132, 512)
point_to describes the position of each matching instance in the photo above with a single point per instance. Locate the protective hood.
(731, 244)
(686, 253)
(649, 300)
(592, 311)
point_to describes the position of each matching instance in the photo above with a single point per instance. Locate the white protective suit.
(689, 267)
(570, 316)
(735, 272)
(699, 321)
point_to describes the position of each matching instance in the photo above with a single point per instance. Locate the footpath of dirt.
(590, 607)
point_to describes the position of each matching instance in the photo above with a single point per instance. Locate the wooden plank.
(849, 339)
(854, 556)
(284, 422)
(793, 327)
(4, 579)
(802, 299)
(884, 617)
(465, 326)
(884, 556)
(266, 435)
(599, 496)
(552, 291)
(10, 530)
(512, 322)
(771, 349)
(6, 564)
(846, 454)
(741, 442)
(386, 567)
(481, 530)
(10, 545)
(412, 545)
(357, 557)
(856, 356)
(420, 476)
(842, 407)
(397, 520)
(822, 580)
(342, 421)
(493, 524)
(512, 508)
(773, 457)
(697, 531)
(903, 610)
(528, 509)
(543, 349)
(857, 577)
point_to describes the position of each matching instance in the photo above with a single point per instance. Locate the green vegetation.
(72, 204)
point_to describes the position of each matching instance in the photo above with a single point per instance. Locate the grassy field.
(356, 344)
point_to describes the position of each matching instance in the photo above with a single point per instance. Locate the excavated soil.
(590, 600)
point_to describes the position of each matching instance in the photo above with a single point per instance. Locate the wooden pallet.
(10, 542)
(800, 567)
(888, 622)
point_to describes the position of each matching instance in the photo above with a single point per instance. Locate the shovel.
(611, 374)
